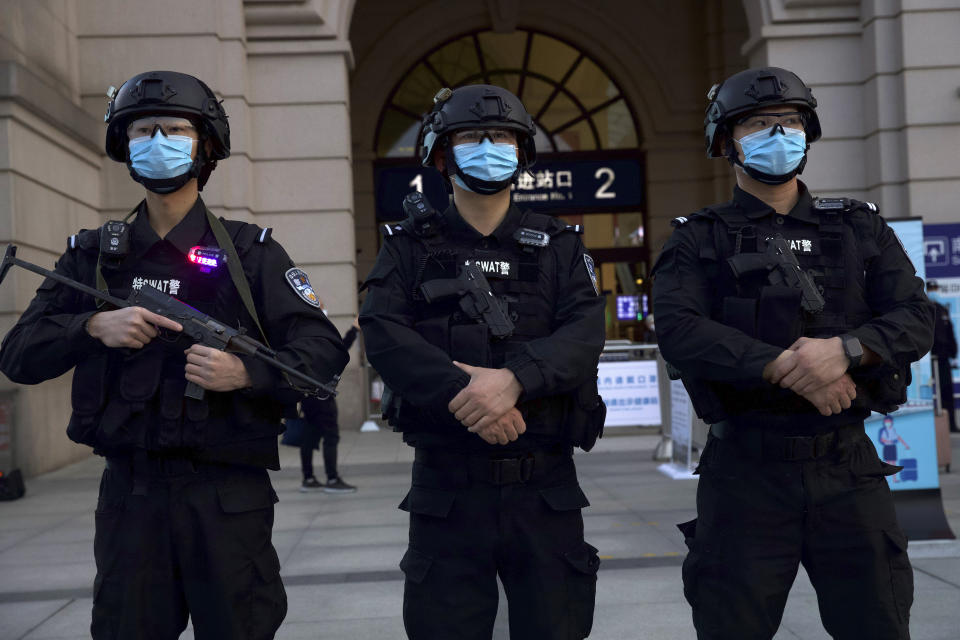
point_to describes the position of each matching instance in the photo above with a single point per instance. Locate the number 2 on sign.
(604, 193)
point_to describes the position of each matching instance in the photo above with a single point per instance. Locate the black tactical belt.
(777, 446)
(154, 464)
(499, 470)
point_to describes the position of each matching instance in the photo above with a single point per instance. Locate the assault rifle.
(778, 260)
(476, 298)
(197, 325)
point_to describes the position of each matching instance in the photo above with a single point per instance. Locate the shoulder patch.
(264, 235)
(84, 239)
(300, 283)
(843, 205)
(591, 271)
(243, 234)
(679, 221)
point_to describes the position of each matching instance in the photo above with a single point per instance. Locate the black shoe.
(310, 484)
(337, 485)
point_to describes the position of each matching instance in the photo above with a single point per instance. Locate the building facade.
(321, 91)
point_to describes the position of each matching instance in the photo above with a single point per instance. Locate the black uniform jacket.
(425, 376)
(235, 427)
(896, 318)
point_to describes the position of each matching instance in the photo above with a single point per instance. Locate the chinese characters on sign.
(631, 392)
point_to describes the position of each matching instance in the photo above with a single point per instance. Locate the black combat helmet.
(168, 93)
(747, 91)
(753, 89)
(472, 107)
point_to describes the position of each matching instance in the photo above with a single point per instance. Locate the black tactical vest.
(125, 399)
(836, 252)
(523, 277)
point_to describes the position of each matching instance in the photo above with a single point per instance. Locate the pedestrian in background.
(320, 426)
(945, 349)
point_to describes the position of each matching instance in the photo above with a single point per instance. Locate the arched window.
(574, 102)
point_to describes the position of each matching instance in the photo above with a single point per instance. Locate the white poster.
(630, 390)
(680, 418)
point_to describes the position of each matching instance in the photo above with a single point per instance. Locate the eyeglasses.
(170, 125)
(477, 135)
(761, 121)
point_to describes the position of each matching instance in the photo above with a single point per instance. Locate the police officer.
(785, 362)
(185, 511)
(493, 413)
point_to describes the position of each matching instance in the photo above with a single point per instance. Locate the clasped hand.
(815, 368)
(487, 405)
(135, 327)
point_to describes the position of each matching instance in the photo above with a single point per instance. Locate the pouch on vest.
(778, 316)
(171, 406)
(586, 416)
(87, 397)
(139, 380)
(470, 344)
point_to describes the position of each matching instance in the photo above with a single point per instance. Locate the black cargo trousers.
(177, 538)
(765, 504)
(473, 518)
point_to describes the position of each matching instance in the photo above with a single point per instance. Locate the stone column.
(298, 62)
(49, 186)
(911, 107)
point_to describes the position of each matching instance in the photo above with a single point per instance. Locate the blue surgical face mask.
(775, 151)
(160, 156)
(485, 160)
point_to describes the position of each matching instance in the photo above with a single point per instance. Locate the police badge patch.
(588, 262)
(300, 284)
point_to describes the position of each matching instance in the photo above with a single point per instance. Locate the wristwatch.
(852, 349)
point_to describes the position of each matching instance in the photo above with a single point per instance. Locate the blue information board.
(576, 182)
(907, 437)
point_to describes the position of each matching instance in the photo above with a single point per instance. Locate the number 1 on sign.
(417, 183)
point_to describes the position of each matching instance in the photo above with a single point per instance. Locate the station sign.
(559, 183)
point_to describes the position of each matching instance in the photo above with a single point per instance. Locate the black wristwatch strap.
(852, 349)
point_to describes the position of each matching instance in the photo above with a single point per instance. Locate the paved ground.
(340, 553)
